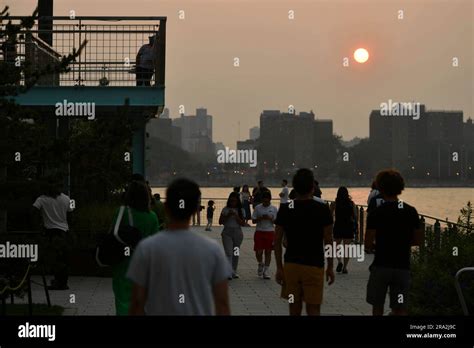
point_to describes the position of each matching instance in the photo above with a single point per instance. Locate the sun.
(361, 55)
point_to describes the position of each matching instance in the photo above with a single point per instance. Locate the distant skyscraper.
(165, 113)
(254, 133)
(196, 131)
(289, 141)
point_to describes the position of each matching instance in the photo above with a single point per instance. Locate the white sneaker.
(266, 273)
(260, 269)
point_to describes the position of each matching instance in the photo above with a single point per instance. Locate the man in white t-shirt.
(54, 207)
(264, 215)
(285, 192)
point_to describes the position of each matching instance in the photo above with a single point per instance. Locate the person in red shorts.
(264, 215)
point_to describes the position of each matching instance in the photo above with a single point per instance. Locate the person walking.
(343, 211)
(53, 207)
(285, 192)
(178, 271)
(232, 236)
(264, 216)
(210, 214)
(307, 225)
(246, 199)
(392, 229)
(137, 205)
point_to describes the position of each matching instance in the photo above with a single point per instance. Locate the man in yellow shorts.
(307, 225)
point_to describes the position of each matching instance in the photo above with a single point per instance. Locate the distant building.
(254, 133)
(196, 132)
(288, 141)
(249, 144)
(163, 129)
(434, 145)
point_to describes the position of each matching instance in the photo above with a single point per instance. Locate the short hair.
(303, 181)
(211, 202)
(138, 196)
(266, 194)
(260, 182)
(285, 181)
(182, 198)
(390, 182)
(157, 196)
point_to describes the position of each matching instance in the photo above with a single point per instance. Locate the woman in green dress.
(137, 199)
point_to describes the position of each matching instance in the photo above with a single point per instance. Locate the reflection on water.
(437, 202)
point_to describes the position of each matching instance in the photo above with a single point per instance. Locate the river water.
(438, 202)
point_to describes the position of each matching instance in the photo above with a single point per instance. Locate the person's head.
(245, 188)
(233, 201)
(342, 194)
(210, 203)
(237, 189)
(374, 185)
(390, 183)
(51, 187)
(284, 182)
(182, 200)
(157, 197)
(138, 196)
(317, 190)
(151, 39)
(260, 184)
(266, 198)
(303, 182)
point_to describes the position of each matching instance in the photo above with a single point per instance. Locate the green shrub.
(433, 270)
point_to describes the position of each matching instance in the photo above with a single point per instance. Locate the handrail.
(446, 221)
(91, 18)
(459, 290)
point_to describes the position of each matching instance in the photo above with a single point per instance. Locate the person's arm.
(222, 218)
(369, 241)
(139, 296)
(279, 276)
(418, 233)
(220, 293)
(330, 267)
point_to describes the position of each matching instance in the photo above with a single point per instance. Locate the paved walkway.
(249, 295)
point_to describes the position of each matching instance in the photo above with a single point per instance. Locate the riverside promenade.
(249, 295)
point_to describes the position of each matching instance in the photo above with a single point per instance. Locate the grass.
(38, 309)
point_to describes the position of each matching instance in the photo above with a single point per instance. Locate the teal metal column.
(138, 150)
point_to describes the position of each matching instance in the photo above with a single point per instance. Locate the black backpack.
(112, 249)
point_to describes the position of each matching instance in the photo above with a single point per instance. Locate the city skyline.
(300, 61)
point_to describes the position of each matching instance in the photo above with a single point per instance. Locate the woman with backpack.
(137, 206)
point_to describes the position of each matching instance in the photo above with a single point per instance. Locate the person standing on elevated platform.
(145, 62)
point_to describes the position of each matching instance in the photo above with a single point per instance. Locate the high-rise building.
(288, 140)
(196, 132)
(428, 145)
(254, 133)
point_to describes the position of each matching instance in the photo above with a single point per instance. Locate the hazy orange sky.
(299, 61)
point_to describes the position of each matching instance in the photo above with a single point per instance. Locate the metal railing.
(108, 59)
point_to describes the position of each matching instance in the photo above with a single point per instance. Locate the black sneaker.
(344, 270)
(339, 267)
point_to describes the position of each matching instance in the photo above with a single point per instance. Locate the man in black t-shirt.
(307, 225)
(392, 229)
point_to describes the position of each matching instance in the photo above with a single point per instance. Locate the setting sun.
(361, 55)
